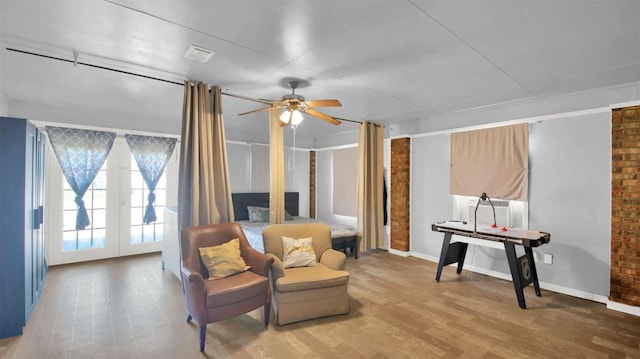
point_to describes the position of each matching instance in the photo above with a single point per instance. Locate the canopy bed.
(342, 236)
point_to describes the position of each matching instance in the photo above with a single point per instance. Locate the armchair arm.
(333, 259)
(195, 293)
(260, 263)
(277, 270)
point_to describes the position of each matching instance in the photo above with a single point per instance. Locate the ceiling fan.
(294, 104)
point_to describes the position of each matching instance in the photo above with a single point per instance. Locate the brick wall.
(399, 193)
(312, 184)
(625, 206)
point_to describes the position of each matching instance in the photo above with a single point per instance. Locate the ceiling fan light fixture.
(296, 117)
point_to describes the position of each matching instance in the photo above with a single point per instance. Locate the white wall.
(4, 104)
(569, 197)
(430, 198)
(239, 159)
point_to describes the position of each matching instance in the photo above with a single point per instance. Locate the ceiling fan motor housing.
(293, 97)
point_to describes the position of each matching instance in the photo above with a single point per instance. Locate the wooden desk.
(523, 269)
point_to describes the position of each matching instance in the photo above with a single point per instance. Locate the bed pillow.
(255, 213)
(265, 215)
(223, 260)
(298, 252)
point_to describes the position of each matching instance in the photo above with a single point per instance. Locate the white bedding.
(253, 230)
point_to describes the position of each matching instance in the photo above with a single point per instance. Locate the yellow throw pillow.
(223, 260)
(298, 252)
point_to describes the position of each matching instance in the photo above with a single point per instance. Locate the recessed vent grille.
(199, 54)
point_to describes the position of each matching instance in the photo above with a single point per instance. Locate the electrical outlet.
(548, 258)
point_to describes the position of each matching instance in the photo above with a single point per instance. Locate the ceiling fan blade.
(262, 109)
(323, 103)
(322, 116)
(254, 111)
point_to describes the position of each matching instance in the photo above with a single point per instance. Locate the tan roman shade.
(345, 180)
(494, 160)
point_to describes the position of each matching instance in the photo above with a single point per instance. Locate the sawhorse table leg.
(451, 253)
(523, 271)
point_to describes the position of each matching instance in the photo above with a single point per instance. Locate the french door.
(115, 202)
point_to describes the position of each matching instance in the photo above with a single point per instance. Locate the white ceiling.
(388, 61)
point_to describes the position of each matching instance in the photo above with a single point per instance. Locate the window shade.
(345, 165)
(495, 161)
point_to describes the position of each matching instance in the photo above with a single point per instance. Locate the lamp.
(483, 197)
(291, 116)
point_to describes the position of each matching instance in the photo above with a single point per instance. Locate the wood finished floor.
(131, 308)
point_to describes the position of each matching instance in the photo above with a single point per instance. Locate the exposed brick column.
(625, 206)
(399, 193)
(312, 184)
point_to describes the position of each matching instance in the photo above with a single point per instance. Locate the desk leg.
(532, 265)
(451, 253)
(515, 273)
(443, 254)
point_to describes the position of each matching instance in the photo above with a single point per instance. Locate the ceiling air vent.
(199, 54)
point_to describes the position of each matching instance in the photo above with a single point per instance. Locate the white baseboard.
(625, 308)
(547, 286)
(399, 253)
(425, 257)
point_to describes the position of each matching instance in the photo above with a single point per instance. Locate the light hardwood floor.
(131, 308)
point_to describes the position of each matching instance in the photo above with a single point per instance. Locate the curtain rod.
(76, 62)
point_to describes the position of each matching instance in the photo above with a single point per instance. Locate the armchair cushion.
(223, 260)
(298, 252)
(235, 289)
(306, 278)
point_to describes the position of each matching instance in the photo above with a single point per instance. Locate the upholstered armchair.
(210, 301)
(306, 291)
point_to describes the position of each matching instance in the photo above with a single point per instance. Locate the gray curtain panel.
(151, 155)
(81, 154)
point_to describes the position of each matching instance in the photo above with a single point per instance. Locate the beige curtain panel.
(369, 189)
(276, 159)
(494, 160)
(204, 192)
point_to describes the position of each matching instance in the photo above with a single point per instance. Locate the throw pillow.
(298, 252)
(223, 260)
(255, 213)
